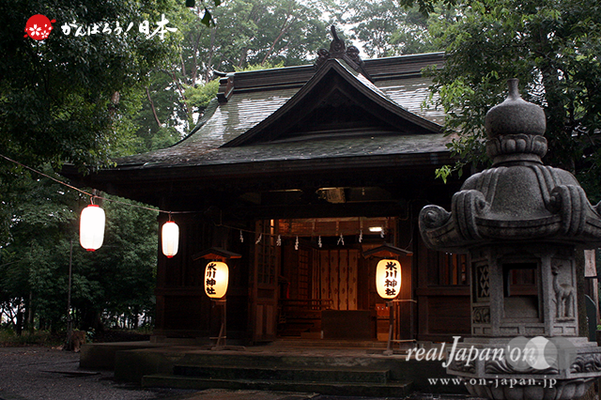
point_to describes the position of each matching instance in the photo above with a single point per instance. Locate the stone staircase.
(297, 375)
(344, 368)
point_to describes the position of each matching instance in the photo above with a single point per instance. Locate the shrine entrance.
(325, 283)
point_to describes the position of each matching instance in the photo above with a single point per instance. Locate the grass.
(8, 338)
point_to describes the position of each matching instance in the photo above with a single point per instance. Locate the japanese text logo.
(39, 27)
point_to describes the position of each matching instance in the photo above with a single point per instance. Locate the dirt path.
(39, 373)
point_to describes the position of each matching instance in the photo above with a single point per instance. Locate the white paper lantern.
(170, 238)
(388, 278)
(216, 279)
(91, 227)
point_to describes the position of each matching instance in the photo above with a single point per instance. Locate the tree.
(553, 47)
(247, 32)
(123, 270)
(117, 279)
(260, 31)
(60, 96)
(374, 22)
(69, 97)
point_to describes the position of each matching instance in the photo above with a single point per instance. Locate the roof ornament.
(339, 50)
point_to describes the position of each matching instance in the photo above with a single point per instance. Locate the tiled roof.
(189, 155)
(248, 105)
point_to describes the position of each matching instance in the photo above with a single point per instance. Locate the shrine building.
(306, 172)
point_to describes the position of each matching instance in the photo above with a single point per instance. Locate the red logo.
(38, 27)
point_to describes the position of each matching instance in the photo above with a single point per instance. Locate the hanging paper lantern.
(388, 278)
(216, 279)
(91, 227)
(170, 238)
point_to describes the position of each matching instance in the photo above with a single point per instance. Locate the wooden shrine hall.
(302, 171)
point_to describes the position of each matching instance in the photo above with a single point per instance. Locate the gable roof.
(336, 102)
(259, 126)
(248, 98)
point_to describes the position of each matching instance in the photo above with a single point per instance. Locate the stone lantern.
(522, 223)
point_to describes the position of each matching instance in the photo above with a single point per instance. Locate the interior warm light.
(375, 229)
(170, 238)
(388, 278)
(91, 227)
(216, 279)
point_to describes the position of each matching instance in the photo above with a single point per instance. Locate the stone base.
(556, 368)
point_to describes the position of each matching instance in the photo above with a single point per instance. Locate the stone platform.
(348, 368)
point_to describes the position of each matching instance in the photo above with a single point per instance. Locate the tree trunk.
(154, 111)
(283, 30)
(30, 313)
(243, 56)
(209, 65)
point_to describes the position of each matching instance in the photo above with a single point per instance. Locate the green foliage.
(73, 98)
(385, 29)
(253, 32)
(201, 95)
(116, 279)
(427, 6)
(55, 101)
(552, 47)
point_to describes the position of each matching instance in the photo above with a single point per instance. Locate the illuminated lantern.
(216, 279)
(91, 227)
(388, 278)
(170, 238)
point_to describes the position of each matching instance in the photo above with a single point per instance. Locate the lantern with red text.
(216, 279)
(388, 278)
(91, 227)
(170, 238)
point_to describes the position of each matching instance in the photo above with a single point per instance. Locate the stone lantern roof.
(519, 198)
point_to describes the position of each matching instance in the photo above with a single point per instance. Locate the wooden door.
(264, 283)
(336, 277)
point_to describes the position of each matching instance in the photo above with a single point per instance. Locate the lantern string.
(92, 195)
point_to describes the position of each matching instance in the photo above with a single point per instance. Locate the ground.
(43, 373)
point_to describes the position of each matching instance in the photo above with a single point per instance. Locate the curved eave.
(358, 82)
(148, 183)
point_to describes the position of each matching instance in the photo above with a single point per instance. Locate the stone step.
(295, 374)
(390, 390)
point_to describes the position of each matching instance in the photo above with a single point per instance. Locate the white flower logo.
(38, 27)
(35, 30)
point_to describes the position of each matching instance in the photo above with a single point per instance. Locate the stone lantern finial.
(515, 129)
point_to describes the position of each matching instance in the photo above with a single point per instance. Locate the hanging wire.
(92, 195)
